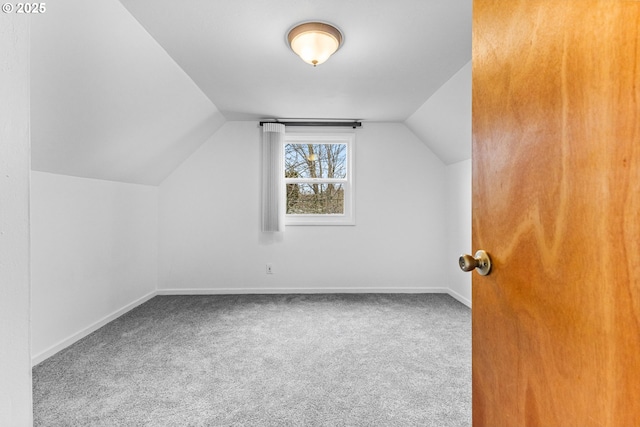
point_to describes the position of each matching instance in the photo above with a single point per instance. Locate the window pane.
(315, 199)
(315, 161)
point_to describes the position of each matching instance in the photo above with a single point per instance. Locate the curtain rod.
(354, 124)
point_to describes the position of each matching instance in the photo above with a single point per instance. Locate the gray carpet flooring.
(267, 360)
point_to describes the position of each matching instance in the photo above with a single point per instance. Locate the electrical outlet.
(269, 269)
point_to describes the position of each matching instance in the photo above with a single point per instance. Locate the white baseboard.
(392, 290)
(86, 331)
(40, 357)
(235, 291)
(459, 297)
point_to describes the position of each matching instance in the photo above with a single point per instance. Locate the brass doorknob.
(480, 261)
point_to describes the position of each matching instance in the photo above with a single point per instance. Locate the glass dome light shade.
(314, 42)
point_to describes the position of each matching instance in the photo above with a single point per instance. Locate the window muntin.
(319, 179)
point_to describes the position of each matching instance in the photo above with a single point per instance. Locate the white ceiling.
(127, 90)
(396, 54)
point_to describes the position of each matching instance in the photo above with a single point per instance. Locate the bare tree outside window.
(314, 174)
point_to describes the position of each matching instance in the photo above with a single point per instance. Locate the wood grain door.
(556, 203)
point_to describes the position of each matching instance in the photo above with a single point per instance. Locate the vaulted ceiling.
(127, 90)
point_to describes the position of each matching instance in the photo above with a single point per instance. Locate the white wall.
(458, 226)
(443, 123)
(210, 237)
(15, 367)
(94, 255)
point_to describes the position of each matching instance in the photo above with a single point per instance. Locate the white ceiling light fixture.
(314, 42)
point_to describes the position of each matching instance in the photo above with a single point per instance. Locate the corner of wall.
(458, 227)
(15, 375)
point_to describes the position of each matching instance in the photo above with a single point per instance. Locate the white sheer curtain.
(272, 179)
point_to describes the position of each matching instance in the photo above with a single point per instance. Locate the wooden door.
(556, 203)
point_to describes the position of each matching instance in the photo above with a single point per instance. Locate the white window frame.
(348, 217)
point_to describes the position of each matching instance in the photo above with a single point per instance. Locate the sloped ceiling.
(125, 91)
(443, 122)
(107, 101)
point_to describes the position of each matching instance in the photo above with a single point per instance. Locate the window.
(318, 176)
